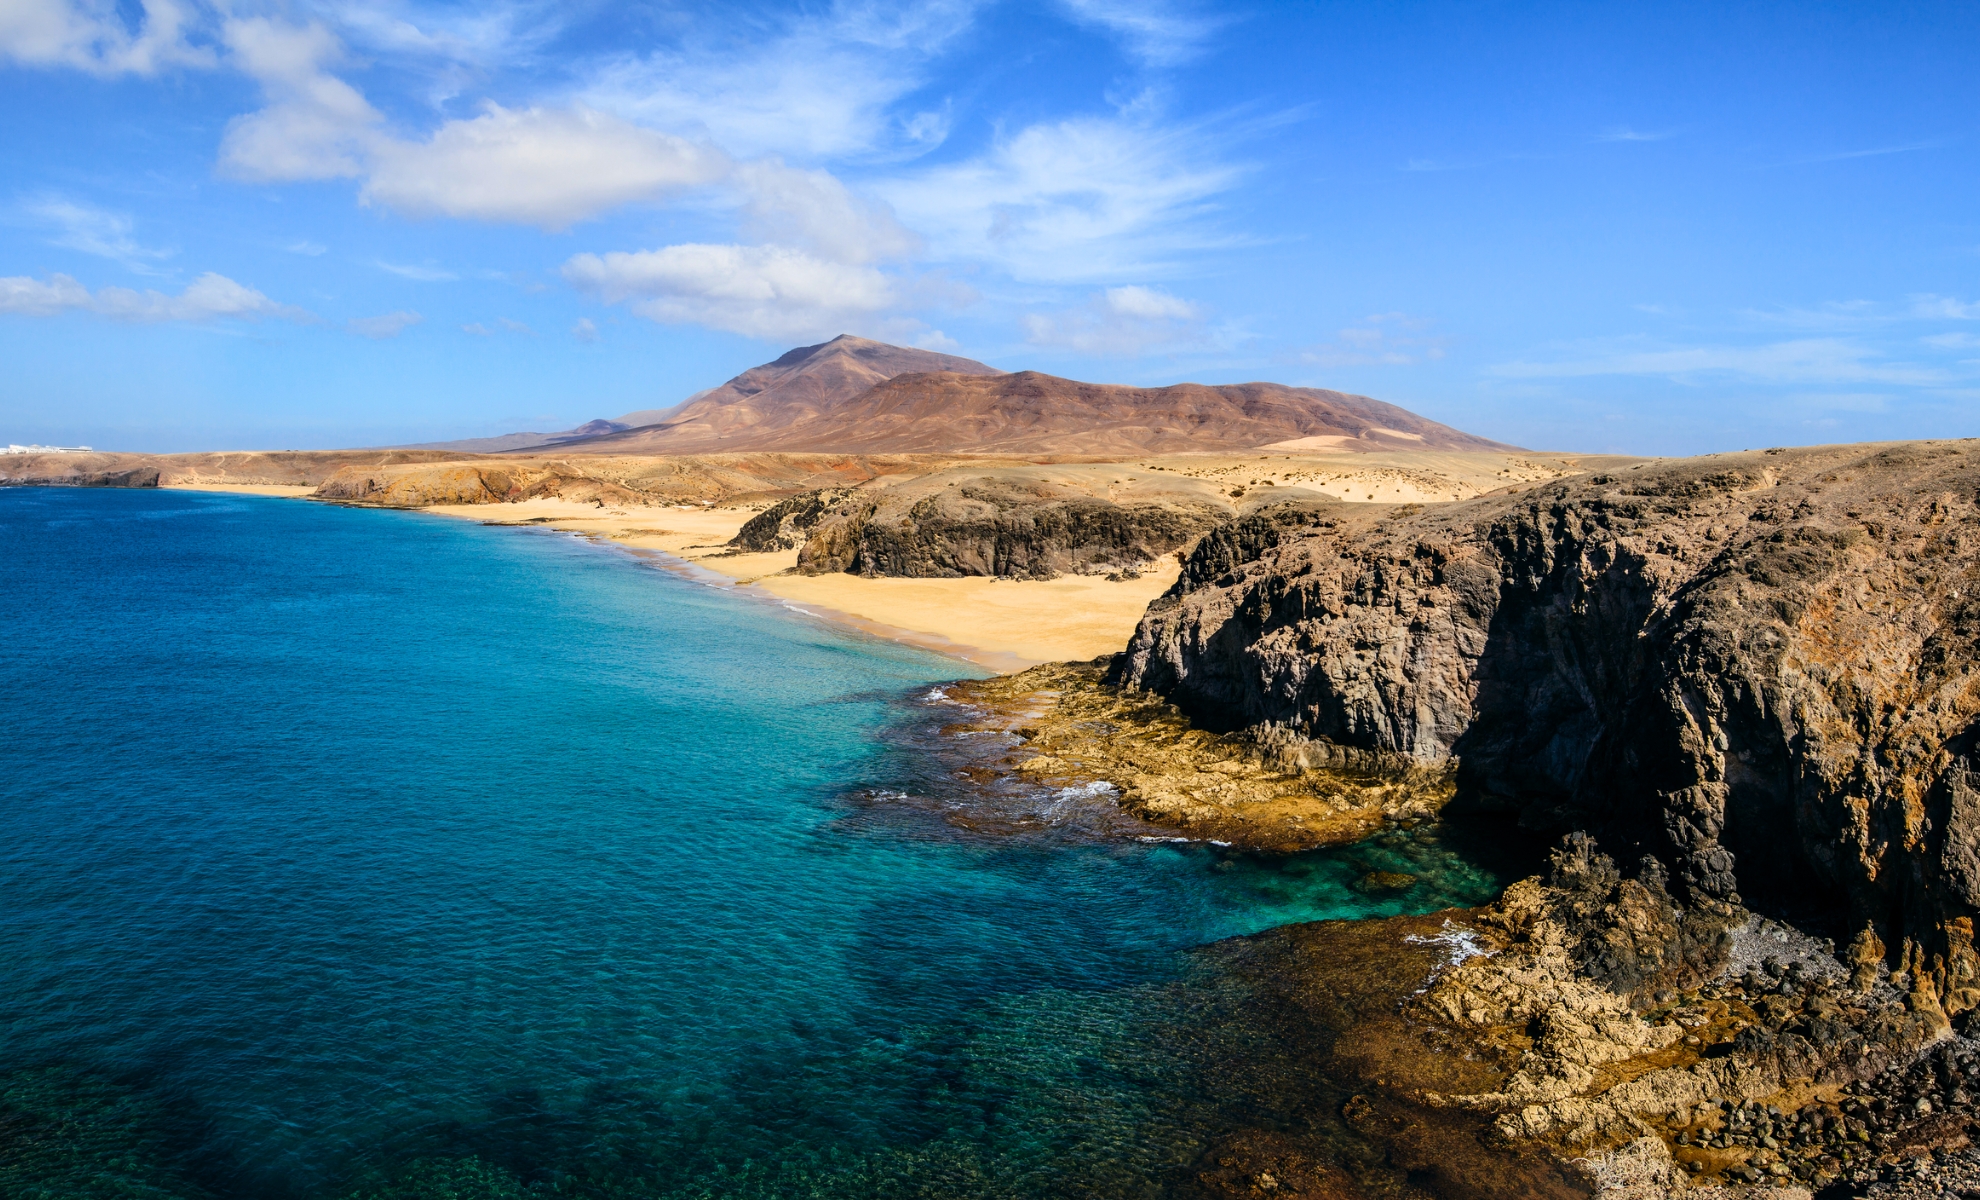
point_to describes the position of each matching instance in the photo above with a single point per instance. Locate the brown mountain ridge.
(852, 395)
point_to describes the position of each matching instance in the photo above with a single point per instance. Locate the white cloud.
(1944, 308)
(95, 231)
(774, 292)
(823, 85)
(427, 273)
(1383, 339)
(1809, 360)
(477, 329)
(936, 340)
(209, 297)
(315, 125)
(1148, 304)
(1952, 341)
(306, 247)
(1120, 322)
(390, 325)
(1834, 315)
(33, 298)
(584, 330)
(94, 36)
(477, 35)
(536, 166)
(515, 326)
(813, 210)
(1072, 200)
(1158, 34)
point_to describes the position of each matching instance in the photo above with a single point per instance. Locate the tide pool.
(347, 852)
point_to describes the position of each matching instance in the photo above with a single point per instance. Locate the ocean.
(349, 853)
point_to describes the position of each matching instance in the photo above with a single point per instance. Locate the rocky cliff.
(1006, 523)
(1758, 669)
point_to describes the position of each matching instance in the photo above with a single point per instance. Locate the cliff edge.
(1758, 669)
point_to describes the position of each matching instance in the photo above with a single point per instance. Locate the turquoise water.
(350, 852)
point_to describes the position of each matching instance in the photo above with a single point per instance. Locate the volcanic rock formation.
(759, 408)
(857, 396)
(1759, 669)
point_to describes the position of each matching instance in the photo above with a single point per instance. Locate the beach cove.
(357, 850)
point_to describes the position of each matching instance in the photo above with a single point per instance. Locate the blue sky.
(1656, 229)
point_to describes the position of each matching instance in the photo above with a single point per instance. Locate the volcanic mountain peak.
(853, 395)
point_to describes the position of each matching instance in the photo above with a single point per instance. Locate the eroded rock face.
(1265, 788)
(787, 524)
(1758, 669)
(135, 477)
(1010, 527)
(1702, 1041)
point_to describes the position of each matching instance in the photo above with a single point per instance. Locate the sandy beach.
(1002, 624)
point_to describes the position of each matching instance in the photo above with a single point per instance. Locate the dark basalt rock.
(1759, 670)
(135, 477)
(787, 524)
(990, 526)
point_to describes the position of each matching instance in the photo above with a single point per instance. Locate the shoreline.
(1001, 625)
(1686, 1069)
(1004, 625)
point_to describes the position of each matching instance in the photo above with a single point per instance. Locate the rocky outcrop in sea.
(1758, 670)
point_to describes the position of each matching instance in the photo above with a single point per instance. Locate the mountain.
(540, 441)
(851, 395)
(795, 387)
(799, 390)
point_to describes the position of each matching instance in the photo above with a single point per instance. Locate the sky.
(1649, 229)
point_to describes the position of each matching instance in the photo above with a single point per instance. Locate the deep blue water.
(337, 844)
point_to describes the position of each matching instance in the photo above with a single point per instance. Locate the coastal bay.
(447, 852)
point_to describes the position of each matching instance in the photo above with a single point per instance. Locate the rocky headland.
(1756, 669)
(1738, 693)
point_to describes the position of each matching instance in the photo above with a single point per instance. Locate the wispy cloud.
(390, 325)
(1159, 34)
(1383, 339)
(821, 85)
(585, 331)
(1120, 322)
(1083, 199)
(1835, 315)
(307, 248)
(1809, 360)
(210, 297)
(96, 231)
(1944, 308)
(418, 273)
(1623, 133)
(1846, 155)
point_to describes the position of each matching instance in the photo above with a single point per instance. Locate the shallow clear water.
(344, 847)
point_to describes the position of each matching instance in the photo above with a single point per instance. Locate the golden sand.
(244, 489)
(999, 623)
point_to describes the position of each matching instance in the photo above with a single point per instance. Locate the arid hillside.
(853, 396)
(797, 391)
